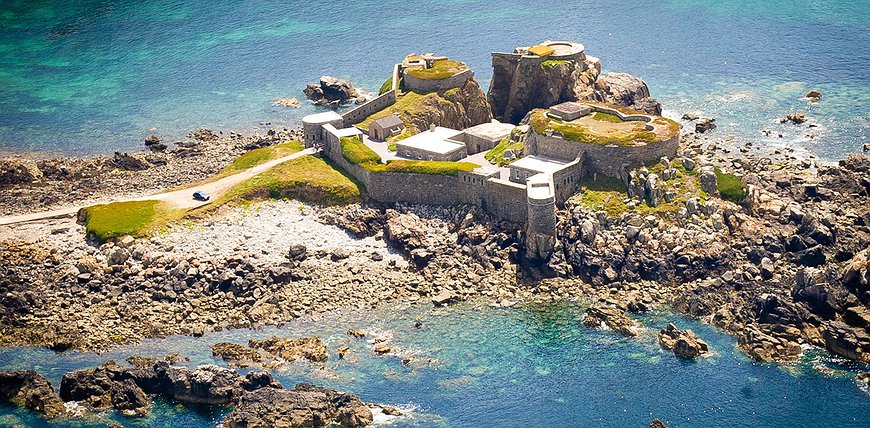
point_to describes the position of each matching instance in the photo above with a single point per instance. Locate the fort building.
(436, 144)
(561, 145)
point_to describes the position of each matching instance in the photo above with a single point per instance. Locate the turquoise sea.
(529, 366)
(93, 76)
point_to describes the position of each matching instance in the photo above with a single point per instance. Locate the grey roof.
(389, 122)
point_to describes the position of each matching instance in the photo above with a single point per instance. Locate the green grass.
(496, 154)
(256, 157)
(357, 153)
(391, 141)
(135, 218)
(405, 103)
(583, 134)
(606, 194)
(607, 117)
(552, 63)
(386, 87)
(439, 70)
(731, 187)
(308, 179)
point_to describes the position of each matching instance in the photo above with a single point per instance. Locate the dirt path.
(178, 198)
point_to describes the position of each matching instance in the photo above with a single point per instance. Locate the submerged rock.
(33, 391)
(305, 348)
(795, 118)
(814, 94)
(236, 353)
(304, 406)
(611, 316)
(684, 343)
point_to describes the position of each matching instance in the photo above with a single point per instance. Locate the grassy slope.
(136, 218)
(405, 103)
(256, 157)
(308, 178)
(496, 154)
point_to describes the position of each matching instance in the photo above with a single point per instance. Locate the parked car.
(199, 195)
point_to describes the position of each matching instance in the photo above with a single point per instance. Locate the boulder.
(814, 95)
(630, 91)
(33, 391)
(19, 171)
(155, 143)
(203, 134)
(690, 117)
(705, 125)
(305, 348)
(128, 398)
(128, 162)
(657, 424)
(795, 118)
(297, 253)
(684, 343)
(847, 341)
(444, 298)
(598, 315)
(304, 406)
(707, 176)
(332, 92)
(208, 384)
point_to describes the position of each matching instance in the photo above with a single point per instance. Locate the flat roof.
(433, 141)
(327, 116)
(492, 131)
(569, 107)
(539, 164)
(347, 132)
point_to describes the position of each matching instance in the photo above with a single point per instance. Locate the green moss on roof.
(439, 70)
(356, 152)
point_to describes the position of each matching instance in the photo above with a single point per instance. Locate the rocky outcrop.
(307, 348)
(31, 390)
(18, 171)
(705, 125)
(795, 118)
(598, 315)
(456, 108)
(332, 92)
(239, 354)
(304, 406)
(519, 86)
(684, 343)
(623, 89)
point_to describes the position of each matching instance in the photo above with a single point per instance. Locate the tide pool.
(533, 365)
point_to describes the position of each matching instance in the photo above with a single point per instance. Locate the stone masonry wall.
(361, 112)
(500, 198)
(607, 160)
(437, 85)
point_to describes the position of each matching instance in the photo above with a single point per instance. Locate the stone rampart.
(437, 85)
(610, 160)
(362, 111)
(504, 199)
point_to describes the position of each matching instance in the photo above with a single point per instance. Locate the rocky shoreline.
(787, 267)
(39, 184)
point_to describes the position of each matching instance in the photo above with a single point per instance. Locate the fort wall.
(610, 160)
(437, 85)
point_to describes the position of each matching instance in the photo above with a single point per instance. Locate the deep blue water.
(93, 76)
(531, 366)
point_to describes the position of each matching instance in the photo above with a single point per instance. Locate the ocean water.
(529, 366)
(93, 76)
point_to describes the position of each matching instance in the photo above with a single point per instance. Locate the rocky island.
(561, 183)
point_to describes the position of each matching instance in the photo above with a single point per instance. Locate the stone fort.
(528, 190)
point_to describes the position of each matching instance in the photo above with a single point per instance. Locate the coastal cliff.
(520, 85)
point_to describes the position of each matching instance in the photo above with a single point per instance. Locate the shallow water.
(93, 76)
(533, 365)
